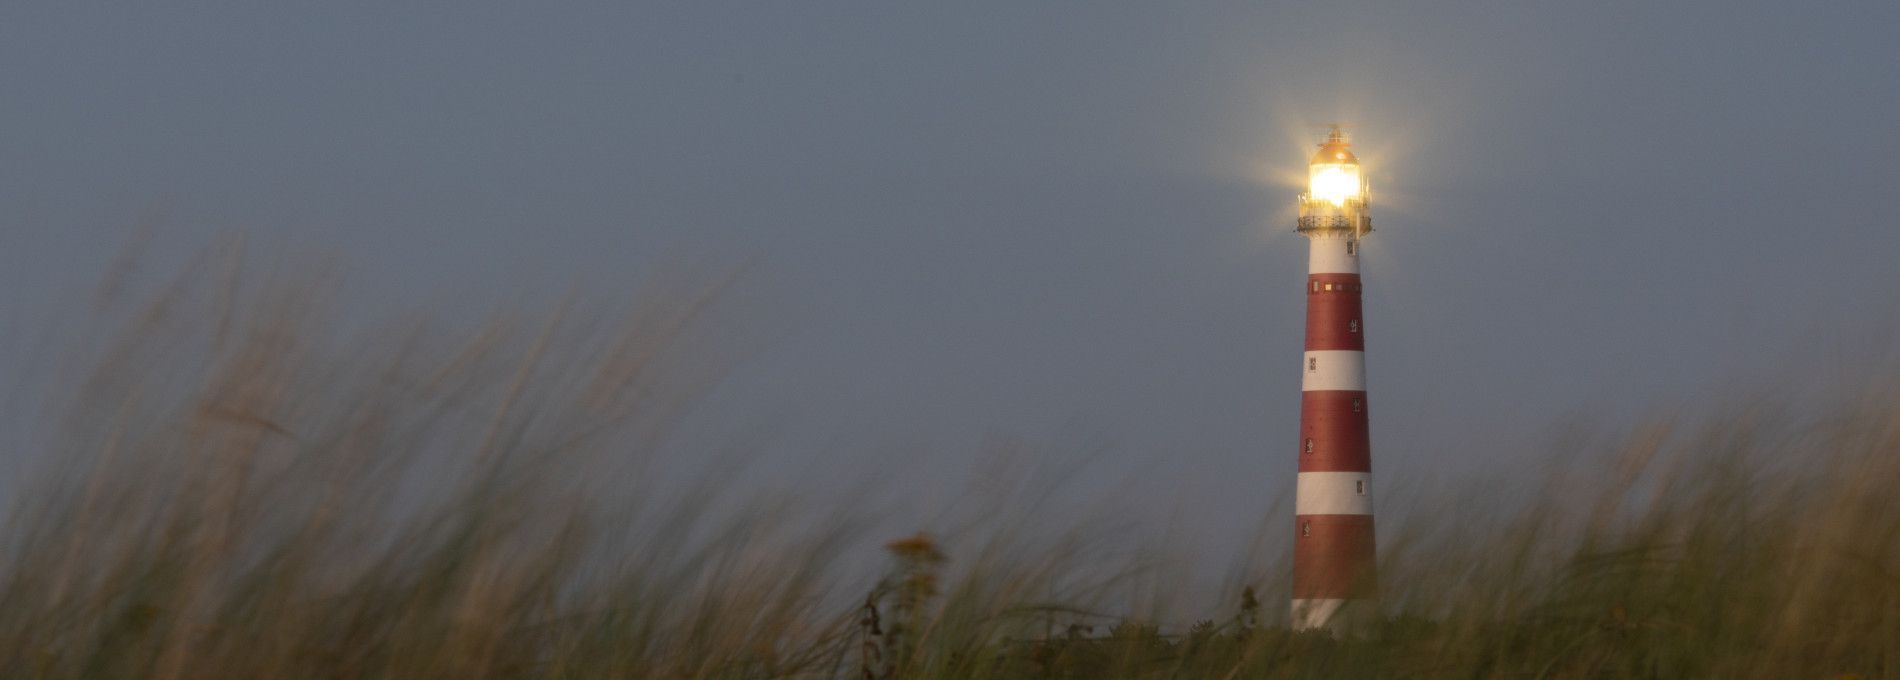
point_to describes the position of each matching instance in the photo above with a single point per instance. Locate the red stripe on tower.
(1334, 578)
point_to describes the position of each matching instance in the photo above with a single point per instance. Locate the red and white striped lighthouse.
(1334, 581)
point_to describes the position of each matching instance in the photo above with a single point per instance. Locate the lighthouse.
(1334, 580)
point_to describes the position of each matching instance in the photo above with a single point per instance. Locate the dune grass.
(236, 489)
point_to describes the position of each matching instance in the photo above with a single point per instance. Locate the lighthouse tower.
(1334, 581)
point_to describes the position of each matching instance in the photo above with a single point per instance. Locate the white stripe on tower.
(1334, 493)
(1330, 254)
(1334, 370)
(1311, 613)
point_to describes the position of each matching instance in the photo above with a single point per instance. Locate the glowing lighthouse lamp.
(1336, 180)
(1334, 583)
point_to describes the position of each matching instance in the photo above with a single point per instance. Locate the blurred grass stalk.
(238, 490)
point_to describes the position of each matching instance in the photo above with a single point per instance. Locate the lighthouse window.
(1356, 405)
(1353, 326)
(1309, 446)
(1315, 286)
(1329, 286)
(1362, 486)
(1312, 364)
(1306, 528)
(1352, 248)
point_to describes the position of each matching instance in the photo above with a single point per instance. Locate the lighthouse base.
(1340, 617)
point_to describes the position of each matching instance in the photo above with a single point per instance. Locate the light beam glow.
(1334, 182)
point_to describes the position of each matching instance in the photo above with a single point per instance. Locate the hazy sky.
(1065, 222)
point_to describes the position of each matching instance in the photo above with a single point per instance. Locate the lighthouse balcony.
(1323, 217)
(1336, 223)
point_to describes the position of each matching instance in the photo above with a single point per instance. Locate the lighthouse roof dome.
(1335, 150)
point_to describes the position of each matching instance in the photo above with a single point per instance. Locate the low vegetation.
(238, 489)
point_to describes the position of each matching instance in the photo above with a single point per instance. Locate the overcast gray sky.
(1064, 222)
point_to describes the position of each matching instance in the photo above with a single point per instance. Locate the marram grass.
(235, 490)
